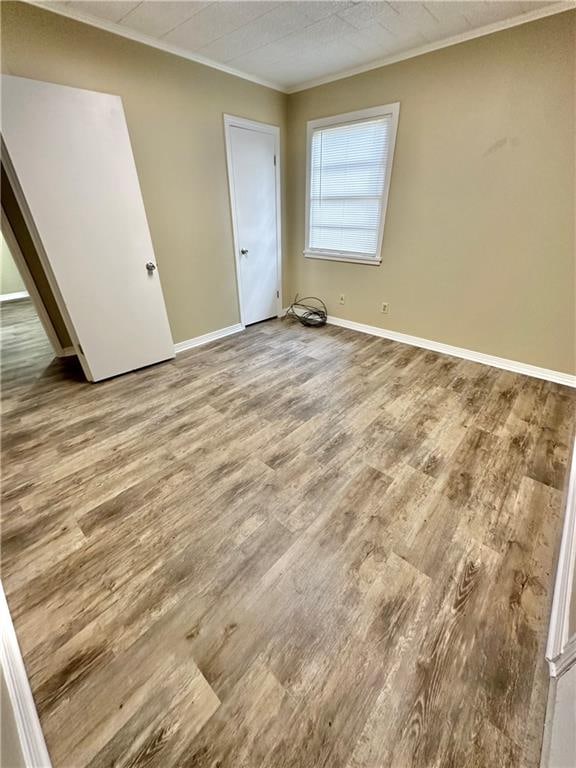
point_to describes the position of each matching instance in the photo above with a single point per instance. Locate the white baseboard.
(561, 648)
(30, 733)
(197, 341)
(565, 661)
(558, 377)
(14, 296)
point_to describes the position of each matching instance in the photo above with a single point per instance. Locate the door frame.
(232, 121)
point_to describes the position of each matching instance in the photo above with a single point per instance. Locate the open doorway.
(24, 341)
(27, 351)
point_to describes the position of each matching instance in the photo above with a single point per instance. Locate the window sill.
(347, 257)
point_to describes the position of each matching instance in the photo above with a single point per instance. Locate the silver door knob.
(244, 251)
(150, 266)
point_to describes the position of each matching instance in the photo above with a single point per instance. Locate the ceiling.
(290, 45)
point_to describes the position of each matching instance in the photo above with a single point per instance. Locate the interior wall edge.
(22, 240)
(561, 646)
(32, 743)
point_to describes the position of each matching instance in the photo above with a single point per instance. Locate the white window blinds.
(348, 170)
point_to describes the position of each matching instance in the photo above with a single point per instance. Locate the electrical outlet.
(341, 299)
(385, 309)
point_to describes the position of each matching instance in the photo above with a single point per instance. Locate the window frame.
(347, 118)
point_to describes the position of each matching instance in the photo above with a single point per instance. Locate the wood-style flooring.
(293, 547)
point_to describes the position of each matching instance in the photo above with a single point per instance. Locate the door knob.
(244, 251)
(150, 266)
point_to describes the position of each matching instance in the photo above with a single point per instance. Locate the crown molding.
(139, 37)
(411, 53)
(152, 42)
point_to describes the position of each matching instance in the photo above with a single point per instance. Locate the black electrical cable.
(308, 314)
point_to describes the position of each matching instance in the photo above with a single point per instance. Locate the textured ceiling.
(290, 44)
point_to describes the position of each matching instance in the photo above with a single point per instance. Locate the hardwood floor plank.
(520, 610)
(81, 727)
(291, 548)
(445, 685)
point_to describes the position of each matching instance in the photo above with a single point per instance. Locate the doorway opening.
(23, 337)
(28, 350)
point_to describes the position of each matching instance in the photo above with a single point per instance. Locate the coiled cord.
(310, 315)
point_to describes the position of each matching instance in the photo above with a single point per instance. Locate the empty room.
(288, 384)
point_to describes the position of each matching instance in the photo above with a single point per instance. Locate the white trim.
(558, 377)
(561, 650)
(346, 118)
(251, 125)
(16, 296)
(356, 116)
(233, 121)
(30, 733)
(152, 42)
(411, 53)
(348, 258)
(28, 280)
(197, 341)
(567, 659)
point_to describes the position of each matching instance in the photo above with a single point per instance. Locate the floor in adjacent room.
(293, 547)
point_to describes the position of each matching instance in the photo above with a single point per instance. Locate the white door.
(69, 153)
(253, 190)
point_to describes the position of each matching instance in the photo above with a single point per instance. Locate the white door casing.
(253, 173)
(70, 153)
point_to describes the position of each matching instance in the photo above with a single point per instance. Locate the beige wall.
(174, 110)
(10, 280)
(479, 241)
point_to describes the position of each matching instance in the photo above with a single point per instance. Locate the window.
(349, 168)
